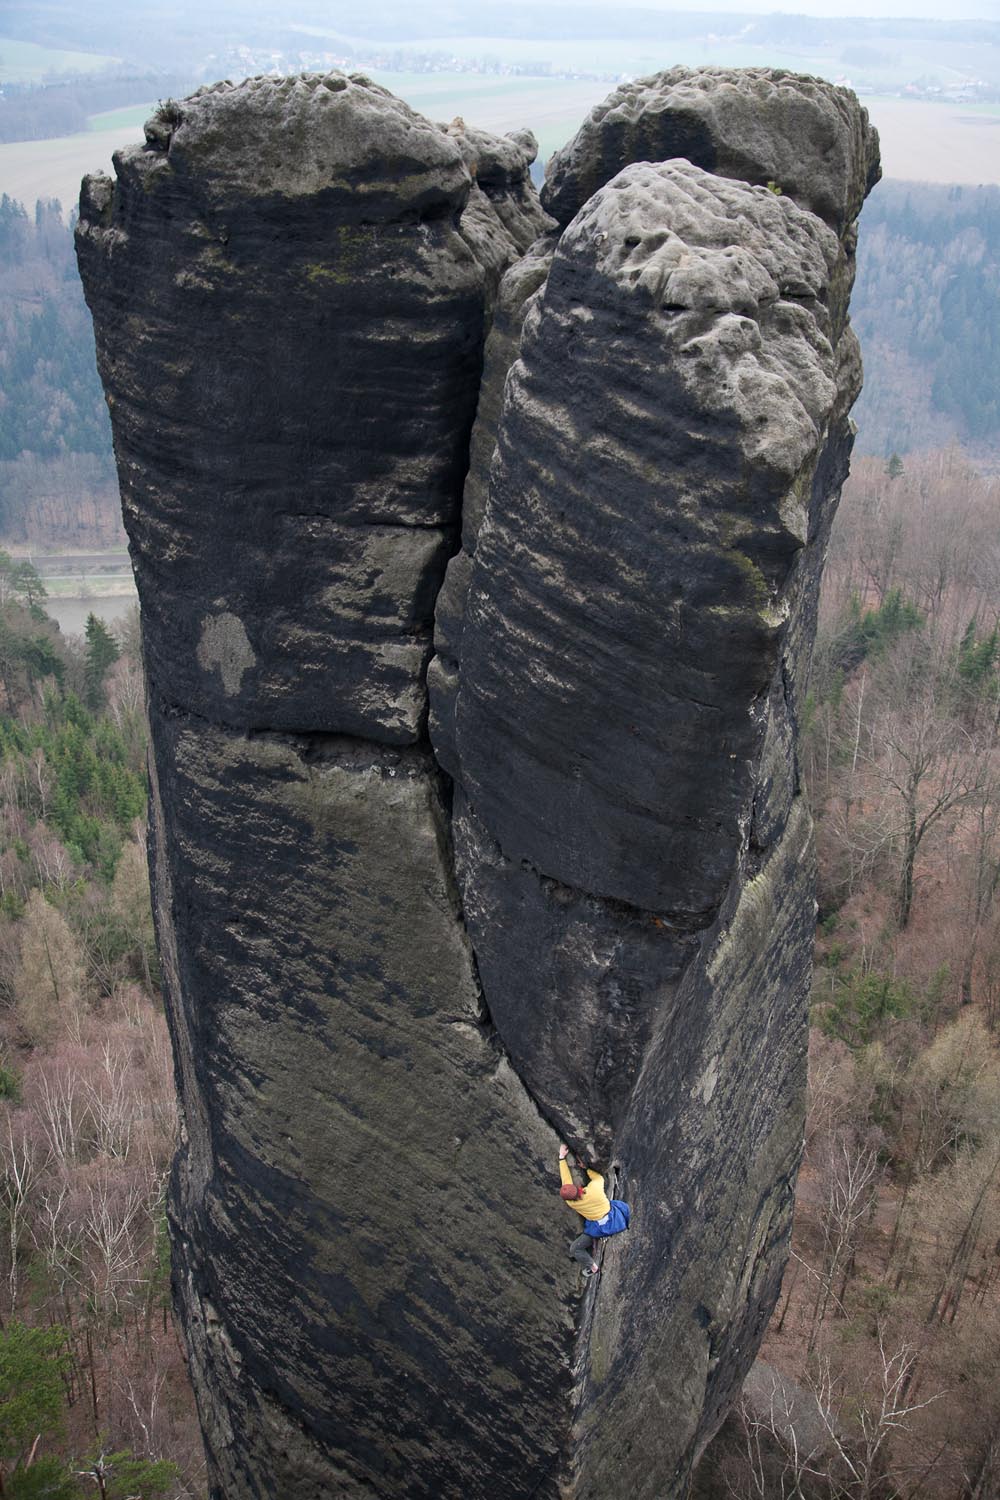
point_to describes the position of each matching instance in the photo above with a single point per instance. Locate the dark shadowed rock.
(714, 1136)
(809, 138)
(291, 285)
(292, 463)
(632, 847)
(525, 277)
(383, 432)
(574, 983)
(647, 501)
(347, 1251)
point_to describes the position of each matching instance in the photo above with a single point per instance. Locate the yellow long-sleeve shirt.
(594, 1204)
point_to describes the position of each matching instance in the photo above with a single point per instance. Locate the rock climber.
(604, 1216)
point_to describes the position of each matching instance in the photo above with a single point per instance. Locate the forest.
(93, 1391)
(926, 306)
(880, 1369)
(52, 401)
(37, 112)
(57, 482)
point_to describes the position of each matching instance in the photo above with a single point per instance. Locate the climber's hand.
(563, 1152)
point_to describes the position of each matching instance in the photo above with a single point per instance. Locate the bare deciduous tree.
(925, 759)
(21, 1168)
(859, 1455)
(50, 982)
(848, 1171)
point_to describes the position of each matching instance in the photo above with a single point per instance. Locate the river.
(71, 613)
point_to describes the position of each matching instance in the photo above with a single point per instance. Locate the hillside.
(926, 307)
(57, 484)
(882, 1355)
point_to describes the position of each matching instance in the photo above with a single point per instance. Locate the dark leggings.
(582, 1249)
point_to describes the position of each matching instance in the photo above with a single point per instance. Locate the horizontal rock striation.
(626, 609)
(291, 285)
(633, 851)
(478, 550)
(353, 1136)
(292, 465)
(619, 700)
(671, 384)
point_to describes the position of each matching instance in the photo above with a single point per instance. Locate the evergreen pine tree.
(31, 1388)
(101, 652)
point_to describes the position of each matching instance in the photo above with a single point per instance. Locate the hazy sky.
(950, 10)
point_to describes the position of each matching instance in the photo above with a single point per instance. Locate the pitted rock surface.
(479, 553)
(810, 138)
(345, 138)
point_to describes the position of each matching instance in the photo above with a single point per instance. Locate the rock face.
(476, 815)
(757, 125)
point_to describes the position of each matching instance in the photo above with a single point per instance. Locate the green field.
(25, 62)
(937, 142)
(53, 169)
(128, 120)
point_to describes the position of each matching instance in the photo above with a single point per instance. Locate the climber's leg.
(582, 1250)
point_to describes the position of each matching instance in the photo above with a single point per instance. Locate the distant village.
(975, 91)
(247, 60)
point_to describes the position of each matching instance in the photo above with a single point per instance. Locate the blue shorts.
(614, 1221)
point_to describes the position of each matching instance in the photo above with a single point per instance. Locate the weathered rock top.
(668, 213)
(810, 138)
(499, 162)
(737, 284)
(344, 137)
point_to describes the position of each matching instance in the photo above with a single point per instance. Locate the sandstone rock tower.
(478, 544)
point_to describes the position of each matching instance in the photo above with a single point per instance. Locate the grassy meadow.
(27, 62)
(130, 119)
(53, 168)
